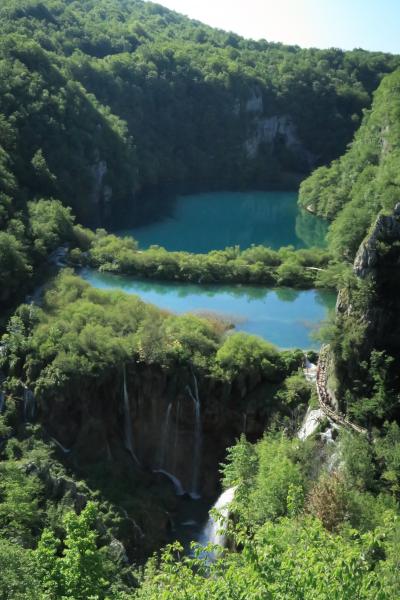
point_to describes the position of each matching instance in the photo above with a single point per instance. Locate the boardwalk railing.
(325, 399)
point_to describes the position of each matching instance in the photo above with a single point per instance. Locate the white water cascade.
(59, 445)
(128, 434)
(179, 491)
(244, 426)
(310, 370)
(29, 405)
(194, 493)
(176, 437)
(213, 532)
(310, 424)
(165, 438)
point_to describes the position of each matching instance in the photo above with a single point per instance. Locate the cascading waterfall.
(109, 453)
(128, 434)
(59, 445)
(311, 422)
(310, 370)
(176, 439)
(179, 491)
(197, 438)
(244, 426)
(29, 405)
(213, 532)
(165, 438)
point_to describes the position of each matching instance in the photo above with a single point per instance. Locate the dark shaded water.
(215, 220)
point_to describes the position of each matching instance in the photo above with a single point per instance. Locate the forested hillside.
(353, 189)
(360, 193)
(118, 417)
(102, 99)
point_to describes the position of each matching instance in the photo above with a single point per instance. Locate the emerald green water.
(213, 221)
(283, 316)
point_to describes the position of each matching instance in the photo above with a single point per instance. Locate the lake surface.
(283, 316)
(212, 221)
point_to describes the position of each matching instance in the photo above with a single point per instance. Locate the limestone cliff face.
(254, 103)
(89, 419)
(378, 259)
(385, 230)
(101, 193)
(275, 131)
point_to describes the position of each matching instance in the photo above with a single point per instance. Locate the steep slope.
(353, 189)
(360, 192)
(118, 96)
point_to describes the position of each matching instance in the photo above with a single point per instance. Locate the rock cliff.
(276, 132)
(88, 419)
(385, 230)
(378, 260)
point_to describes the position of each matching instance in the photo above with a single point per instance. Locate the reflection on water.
(284, 316)
(213, 221)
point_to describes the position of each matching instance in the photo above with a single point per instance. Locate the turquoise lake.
(213, 221)
(283, 316)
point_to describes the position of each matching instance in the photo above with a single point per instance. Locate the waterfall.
(310, 370)
(165, 437)
(108, 450)
(310, 424)
(128, 434)
(244, 426)
(213, 532)
(179, 491)
(62, 448)
(176, 440)
(29, 405)
(197, 438)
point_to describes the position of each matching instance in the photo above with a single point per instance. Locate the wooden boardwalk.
(325, 400)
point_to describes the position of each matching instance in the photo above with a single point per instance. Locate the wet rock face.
(89, 420)
(387, 230)
(379, 258)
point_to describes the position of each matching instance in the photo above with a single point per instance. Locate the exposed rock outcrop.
(254, 104)
(377, 260)
(276, 130)
(387, 230)
(89, 420)
(102, 193)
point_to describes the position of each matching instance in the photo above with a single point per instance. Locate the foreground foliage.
(281, 545)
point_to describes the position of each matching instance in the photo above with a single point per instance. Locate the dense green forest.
(359, 193)
(103, 99)
(353, 189)
(257, 264)
(103, 102)
(300, 529)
